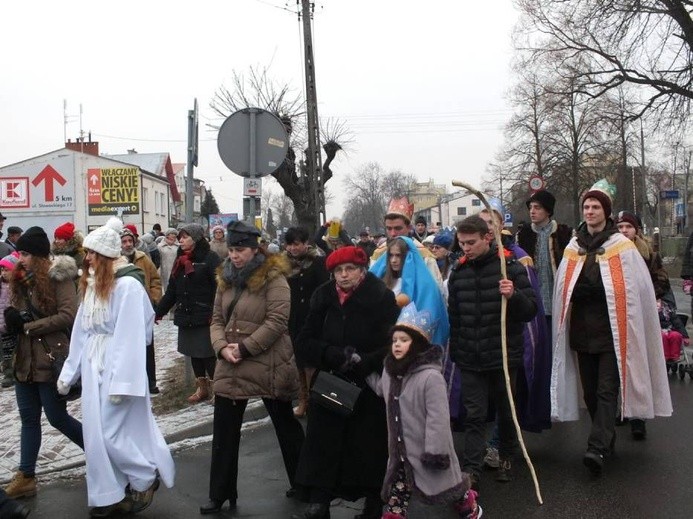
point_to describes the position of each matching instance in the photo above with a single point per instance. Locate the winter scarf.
(183, 262)
(238, 277)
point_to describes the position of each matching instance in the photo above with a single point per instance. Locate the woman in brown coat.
(250, 337)
(44, 304)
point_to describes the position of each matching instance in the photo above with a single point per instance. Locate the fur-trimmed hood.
(429, 358)
(63, 267)
(272, 267)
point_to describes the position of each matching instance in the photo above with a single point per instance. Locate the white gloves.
(115, 399)
(63, 388)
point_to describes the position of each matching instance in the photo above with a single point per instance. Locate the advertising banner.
(113, 191)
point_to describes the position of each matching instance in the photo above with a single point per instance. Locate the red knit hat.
(131, 227)
(65, 232)
(350, 254)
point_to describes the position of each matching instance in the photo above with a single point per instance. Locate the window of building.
(476, 202)
(145, 197)
(461, 211)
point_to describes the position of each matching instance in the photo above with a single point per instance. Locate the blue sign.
(508, 217)
(670, 194)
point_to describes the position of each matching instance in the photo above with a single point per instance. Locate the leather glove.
(687, 286)
(116, 399)
(63, 388)
(13, 320)
(351, 359)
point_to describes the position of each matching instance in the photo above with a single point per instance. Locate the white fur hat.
(106, 239)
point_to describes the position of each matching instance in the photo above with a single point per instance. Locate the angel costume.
(122, 442)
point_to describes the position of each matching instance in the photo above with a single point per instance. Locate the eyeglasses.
(346, 269)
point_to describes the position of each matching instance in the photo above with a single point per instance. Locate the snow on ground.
(57, 452)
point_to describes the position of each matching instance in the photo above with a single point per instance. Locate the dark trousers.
(478, 389)
(31, 398)
(228, 418)
(600, 385)
(203, 366)
(151, 365)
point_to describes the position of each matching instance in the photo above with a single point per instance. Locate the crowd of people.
(386, 347)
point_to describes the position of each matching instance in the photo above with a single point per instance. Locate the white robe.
(122, 443)
(635, 327)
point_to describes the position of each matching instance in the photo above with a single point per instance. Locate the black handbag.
(334, 393)
(57, 363)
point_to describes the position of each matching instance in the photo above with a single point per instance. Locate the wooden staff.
(504, 334)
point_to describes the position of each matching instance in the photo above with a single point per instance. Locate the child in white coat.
(422, 460)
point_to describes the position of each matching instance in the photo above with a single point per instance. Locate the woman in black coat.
(191, 288)
(346, 332)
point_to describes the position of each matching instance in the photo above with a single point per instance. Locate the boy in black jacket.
(474, 308)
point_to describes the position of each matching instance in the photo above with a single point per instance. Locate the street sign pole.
(252, 173)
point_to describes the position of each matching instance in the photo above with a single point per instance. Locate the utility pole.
(314, 156)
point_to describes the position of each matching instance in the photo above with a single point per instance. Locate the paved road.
(644, 480)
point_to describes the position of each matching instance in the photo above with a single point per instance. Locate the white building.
(76, 184)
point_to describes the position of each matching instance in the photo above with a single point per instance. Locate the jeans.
(478, 387)
(31, 398)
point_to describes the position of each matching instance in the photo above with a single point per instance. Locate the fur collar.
(63, 267)
(298, 264)
(274, 266)
(431, 357)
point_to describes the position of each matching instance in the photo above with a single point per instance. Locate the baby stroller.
(683, 365)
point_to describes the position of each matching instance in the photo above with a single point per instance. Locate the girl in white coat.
(125, 451)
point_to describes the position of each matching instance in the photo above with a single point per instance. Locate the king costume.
(634, 321)
(122, 442)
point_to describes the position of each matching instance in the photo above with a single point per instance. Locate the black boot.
(637, 429)
(14, 510)
(213, 506)
(372, 509)
(314, 511)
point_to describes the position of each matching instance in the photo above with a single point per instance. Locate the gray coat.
(419, 435)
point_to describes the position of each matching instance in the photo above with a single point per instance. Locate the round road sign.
(536, 183)
(257, 128)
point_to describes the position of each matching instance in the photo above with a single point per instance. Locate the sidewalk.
(58, 453)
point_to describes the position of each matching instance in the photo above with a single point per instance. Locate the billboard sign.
(30, 186)
(113, 191)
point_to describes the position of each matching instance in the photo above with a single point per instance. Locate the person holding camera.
(44, 304)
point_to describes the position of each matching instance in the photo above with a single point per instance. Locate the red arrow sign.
(49, 175)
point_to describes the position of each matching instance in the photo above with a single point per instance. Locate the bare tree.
(369, 190)
(648, 43)
(257, 89)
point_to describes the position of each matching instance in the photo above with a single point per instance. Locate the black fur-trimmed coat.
(419, 434)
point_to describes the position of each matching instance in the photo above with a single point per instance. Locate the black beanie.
(35, 242)
(546, 199)
(239, 234)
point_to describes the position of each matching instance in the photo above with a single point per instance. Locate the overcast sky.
(420, 84)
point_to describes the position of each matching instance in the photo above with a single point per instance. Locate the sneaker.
(638, 429)
(593, 461)
(491, 459)
(21, 486)
(467, 507)
(504, 474)
(141, 500)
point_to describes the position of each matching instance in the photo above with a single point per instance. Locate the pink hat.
(10, 261)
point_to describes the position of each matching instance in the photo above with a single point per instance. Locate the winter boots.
(21, 486)
(304, 378)
(203, 391)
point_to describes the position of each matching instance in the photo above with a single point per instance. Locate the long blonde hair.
(104, 277)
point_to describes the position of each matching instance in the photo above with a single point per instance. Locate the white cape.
(122, 443)
(635, 327)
